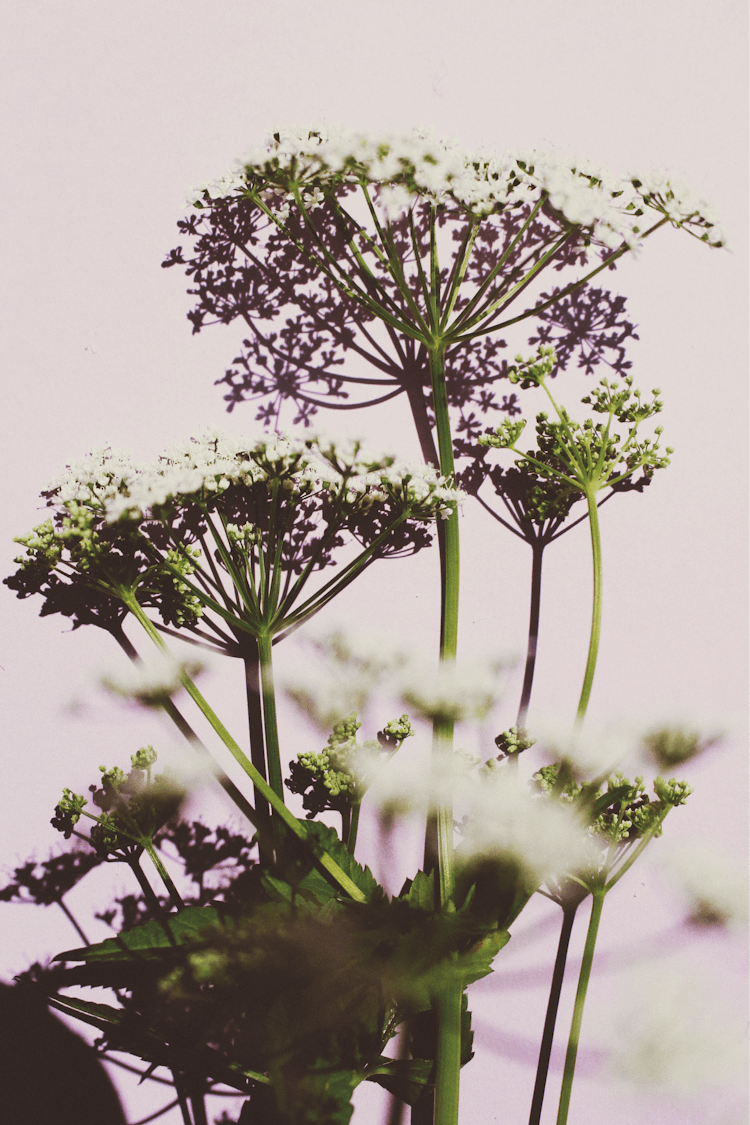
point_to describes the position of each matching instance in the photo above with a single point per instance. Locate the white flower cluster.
(211, 464)
(98, 475)
(303, 164)
(340, 674)
(715, 886)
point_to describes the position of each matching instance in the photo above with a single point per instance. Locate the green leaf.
(404, 1078)
(478, 963)
(150, 939)
(419, 892)
(326, 839)
(467, 1035)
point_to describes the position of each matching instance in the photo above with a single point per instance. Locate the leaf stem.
(68, 914)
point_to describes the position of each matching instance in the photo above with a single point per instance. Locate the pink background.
(117, 110)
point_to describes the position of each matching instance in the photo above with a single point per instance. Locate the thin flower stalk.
(585, 459)
(626, 821)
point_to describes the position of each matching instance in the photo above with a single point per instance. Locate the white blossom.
(614, 209)
(590, 752)
(450, 690)
(153, 681)
(714, 887)
(544, 838)
(672, 1037)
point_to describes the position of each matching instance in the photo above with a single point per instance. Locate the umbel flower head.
(220, 535)
(320, 233)
(301, 166)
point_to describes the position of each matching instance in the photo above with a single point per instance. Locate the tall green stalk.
(270, 723)
(448, 1061)
(596, 613)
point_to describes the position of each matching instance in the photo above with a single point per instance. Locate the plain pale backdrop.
(111, 112)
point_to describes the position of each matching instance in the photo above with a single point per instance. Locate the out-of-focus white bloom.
(342, 646)
(543, 838)
(669, 1037)
(405, 786)
(450, 690)
(589, 752)
(715, 888)
(325, 697)
(340, 673)
(153, 681)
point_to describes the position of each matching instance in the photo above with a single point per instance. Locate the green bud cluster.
(513, 741)
(68, 812)
(132, 807)
(586, 456)
(328, 779)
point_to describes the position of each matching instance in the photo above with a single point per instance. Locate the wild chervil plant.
(286, 975)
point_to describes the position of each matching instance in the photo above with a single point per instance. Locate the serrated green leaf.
(478, 963)
(419, 892)
(327, 840)
(150, 939)
(404, 1078)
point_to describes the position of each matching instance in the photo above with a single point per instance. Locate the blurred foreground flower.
(588, 753)
(152, 682)
(714, 887)
(450, 691)
(674, 1036)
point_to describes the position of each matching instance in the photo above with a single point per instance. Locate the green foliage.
(150, 940)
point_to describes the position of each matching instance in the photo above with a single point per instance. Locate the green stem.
(448, 1062)
(149, 848)
(537, 547)
(270, 725)
(257, 751)
(596, 614)
(326, 861)
(351, 841)
(148, 891)
(583, 983)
